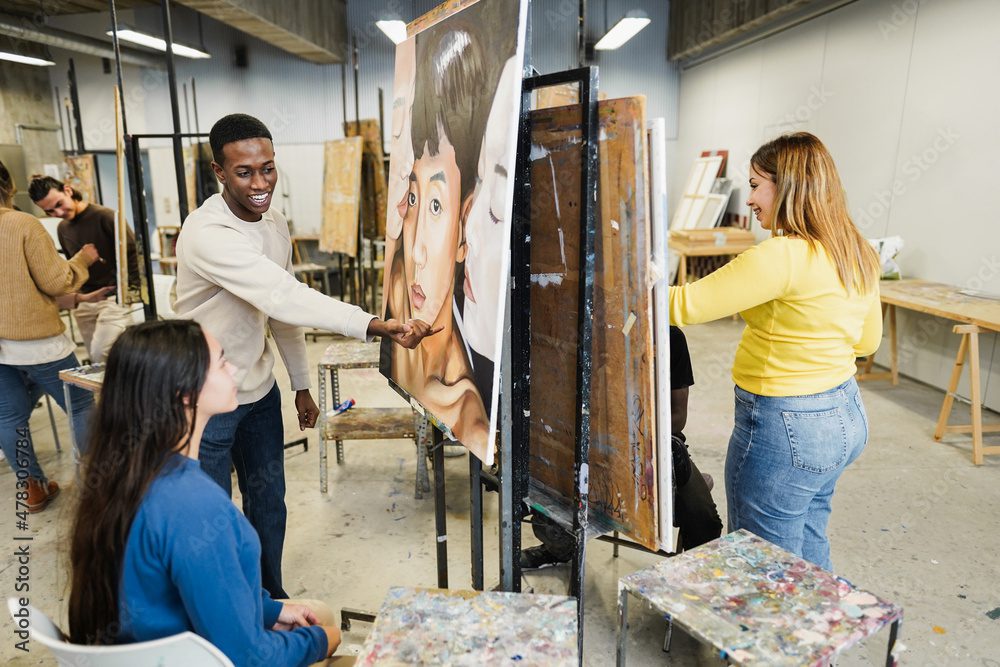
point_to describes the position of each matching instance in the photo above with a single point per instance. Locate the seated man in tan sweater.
(33, 343)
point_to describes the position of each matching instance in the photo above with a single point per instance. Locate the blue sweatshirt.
(192, 562)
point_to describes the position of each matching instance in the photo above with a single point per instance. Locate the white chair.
(183, 650)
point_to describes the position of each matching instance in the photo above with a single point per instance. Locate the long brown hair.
(154, 374)
(811, 204)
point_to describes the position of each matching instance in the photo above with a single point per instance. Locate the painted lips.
(417, 296)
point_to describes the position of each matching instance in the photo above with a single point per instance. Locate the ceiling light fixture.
(142, 39)
(25, 60)
(622, 31)
(394, 29)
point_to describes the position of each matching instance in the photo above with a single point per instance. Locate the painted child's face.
(432, 233)
(485, 226)
(401, 147)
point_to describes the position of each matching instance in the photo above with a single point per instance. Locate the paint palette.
(426, 626)
(759, 604)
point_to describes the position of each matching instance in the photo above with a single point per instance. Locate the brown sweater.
(32, 274)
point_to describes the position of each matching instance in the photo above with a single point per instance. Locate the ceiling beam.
(315, 30)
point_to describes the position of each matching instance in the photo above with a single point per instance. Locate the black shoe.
(535, 558)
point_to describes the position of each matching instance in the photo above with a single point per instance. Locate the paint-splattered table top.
(427, 626)
(758, 604)
(350, 354)
(88, 377)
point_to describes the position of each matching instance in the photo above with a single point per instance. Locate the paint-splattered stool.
(363, 423)
(758, 604)
(430, 626)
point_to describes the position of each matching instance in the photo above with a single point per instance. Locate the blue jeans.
(20, 389)
(785, 456)
(251, 438)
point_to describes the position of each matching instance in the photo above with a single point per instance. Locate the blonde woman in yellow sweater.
(809, 296)
(33, 345)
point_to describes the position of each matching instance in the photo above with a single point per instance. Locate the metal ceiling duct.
(24, 29)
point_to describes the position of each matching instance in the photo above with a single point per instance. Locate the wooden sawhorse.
(969, 346)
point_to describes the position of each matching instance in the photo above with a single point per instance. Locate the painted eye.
(435, 206)
(493, 217)
(411, 199)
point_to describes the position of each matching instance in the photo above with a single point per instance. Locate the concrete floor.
(914, 522)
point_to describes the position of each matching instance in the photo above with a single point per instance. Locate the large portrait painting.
(456, 101)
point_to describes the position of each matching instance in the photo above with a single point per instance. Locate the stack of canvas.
(629, 468)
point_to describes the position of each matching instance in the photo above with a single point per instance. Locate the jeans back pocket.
(818, 439)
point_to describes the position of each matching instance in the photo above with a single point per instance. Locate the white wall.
(903, 94)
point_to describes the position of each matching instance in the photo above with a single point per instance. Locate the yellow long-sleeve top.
(804, 330)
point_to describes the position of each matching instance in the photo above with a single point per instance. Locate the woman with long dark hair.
(157, 547)
(809, 296)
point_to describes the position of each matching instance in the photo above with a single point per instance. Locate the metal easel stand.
(436, 450)
(514, 477)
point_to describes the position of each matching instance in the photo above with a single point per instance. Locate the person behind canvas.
(101, 321)
(234, 276)
(156, 547)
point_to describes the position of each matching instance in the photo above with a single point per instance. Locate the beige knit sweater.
(32, 274)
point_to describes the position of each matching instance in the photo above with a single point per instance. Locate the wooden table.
(361, 423)
(90, 378)
(758, 604)
(684, 250)
(973, 314)
(427, 626)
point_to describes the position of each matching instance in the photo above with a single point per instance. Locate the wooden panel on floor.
(623, 429)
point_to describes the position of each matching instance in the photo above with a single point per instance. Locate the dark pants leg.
(556, 540)
(251, 439)
(695, 512)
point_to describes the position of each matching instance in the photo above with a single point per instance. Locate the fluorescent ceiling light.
(394, 30)
(143, 39)
(25, 60)
(622, 31)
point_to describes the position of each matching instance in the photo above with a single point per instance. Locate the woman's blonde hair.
(811, 204)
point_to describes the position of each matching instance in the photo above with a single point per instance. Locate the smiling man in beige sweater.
(234, 276)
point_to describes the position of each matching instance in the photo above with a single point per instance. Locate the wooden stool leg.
(977, 408)
(949, 395)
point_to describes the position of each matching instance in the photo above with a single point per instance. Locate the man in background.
(83, 222)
